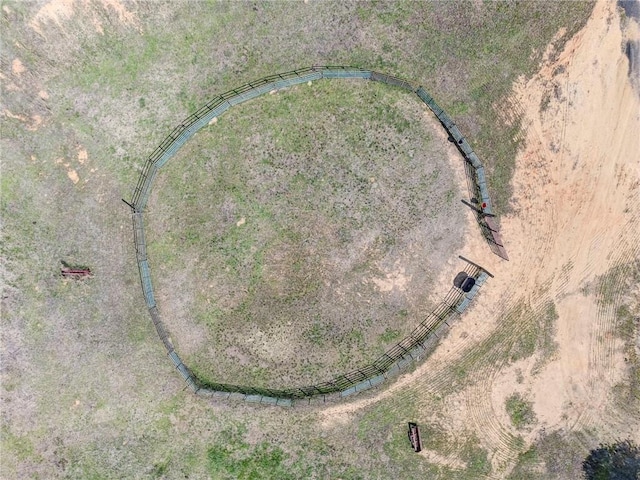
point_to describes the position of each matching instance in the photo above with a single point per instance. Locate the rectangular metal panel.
(365, 74)
(145, 277)
(348, 391)
(364, 385)
(463, 305)
(175, 358)
(183, 371)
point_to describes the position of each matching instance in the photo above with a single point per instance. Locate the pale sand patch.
(31, 123)
(576, 201)
(36, 121)
(9, 86)
(576, 198)
(73, 175)
(17, 68)
(55, 11)
(97, 25)
(124, 15)
(396, 279)
(448, 461)
(9, 114)
(563, 390)
(83, 155)
(59, 12)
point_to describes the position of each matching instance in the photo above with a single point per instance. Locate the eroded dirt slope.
(576, 212)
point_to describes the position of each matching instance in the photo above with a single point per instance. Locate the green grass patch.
(390, 335)
(614, 285)
(627, 392)
(476, 458)
(528, 467)
(627, 323)
(20, 447)
(613, 290)
(536, 333)
(234, 459)
(520, 411)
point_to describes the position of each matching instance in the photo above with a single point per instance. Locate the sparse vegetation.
(301, 228)
(234, 459)
(88, 92)
(546, 344)
(536, 331)
(614, 289)
(562, 454)
(528, 466)
(628, 328)
(520, 411)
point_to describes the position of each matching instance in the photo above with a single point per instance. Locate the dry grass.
(87, 391)
(309, 221)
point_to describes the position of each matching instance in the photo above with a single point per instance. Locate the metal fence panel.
(138, 237)
(348, 391)
(365, 385)
(364, 74)
(147, 288)
(192, 384)
(389, 80)
(462, 306)
(397, 357)
(175, 358)
(162, 332)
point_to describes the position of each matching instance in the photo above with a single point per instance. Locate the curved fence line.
(396, 359)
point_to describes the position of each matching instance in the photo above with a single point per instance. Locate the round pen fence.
(403, 354)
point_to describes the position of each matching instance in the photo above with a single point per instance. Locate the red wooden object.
(414, 437)
(76, 272)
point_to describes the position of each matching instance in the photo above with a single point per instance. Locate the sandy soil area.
(576, 191)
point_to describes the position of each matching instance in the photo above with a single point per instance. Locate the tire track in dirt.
(546, 229)
(610, 297)
(576, 212)
(599, 207)
(496, 435)
(538, 227)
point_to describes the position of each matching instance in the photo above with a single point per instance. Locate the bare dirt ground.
(576, 189)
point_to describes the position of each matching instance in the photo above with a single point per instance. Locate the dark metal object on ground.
(468, 284)
(497, 238)
(473, 206)
(459, 280)
(414, 437)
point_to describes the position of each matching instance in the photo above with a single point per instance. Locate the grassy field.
(89, 90)
(293, 217)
